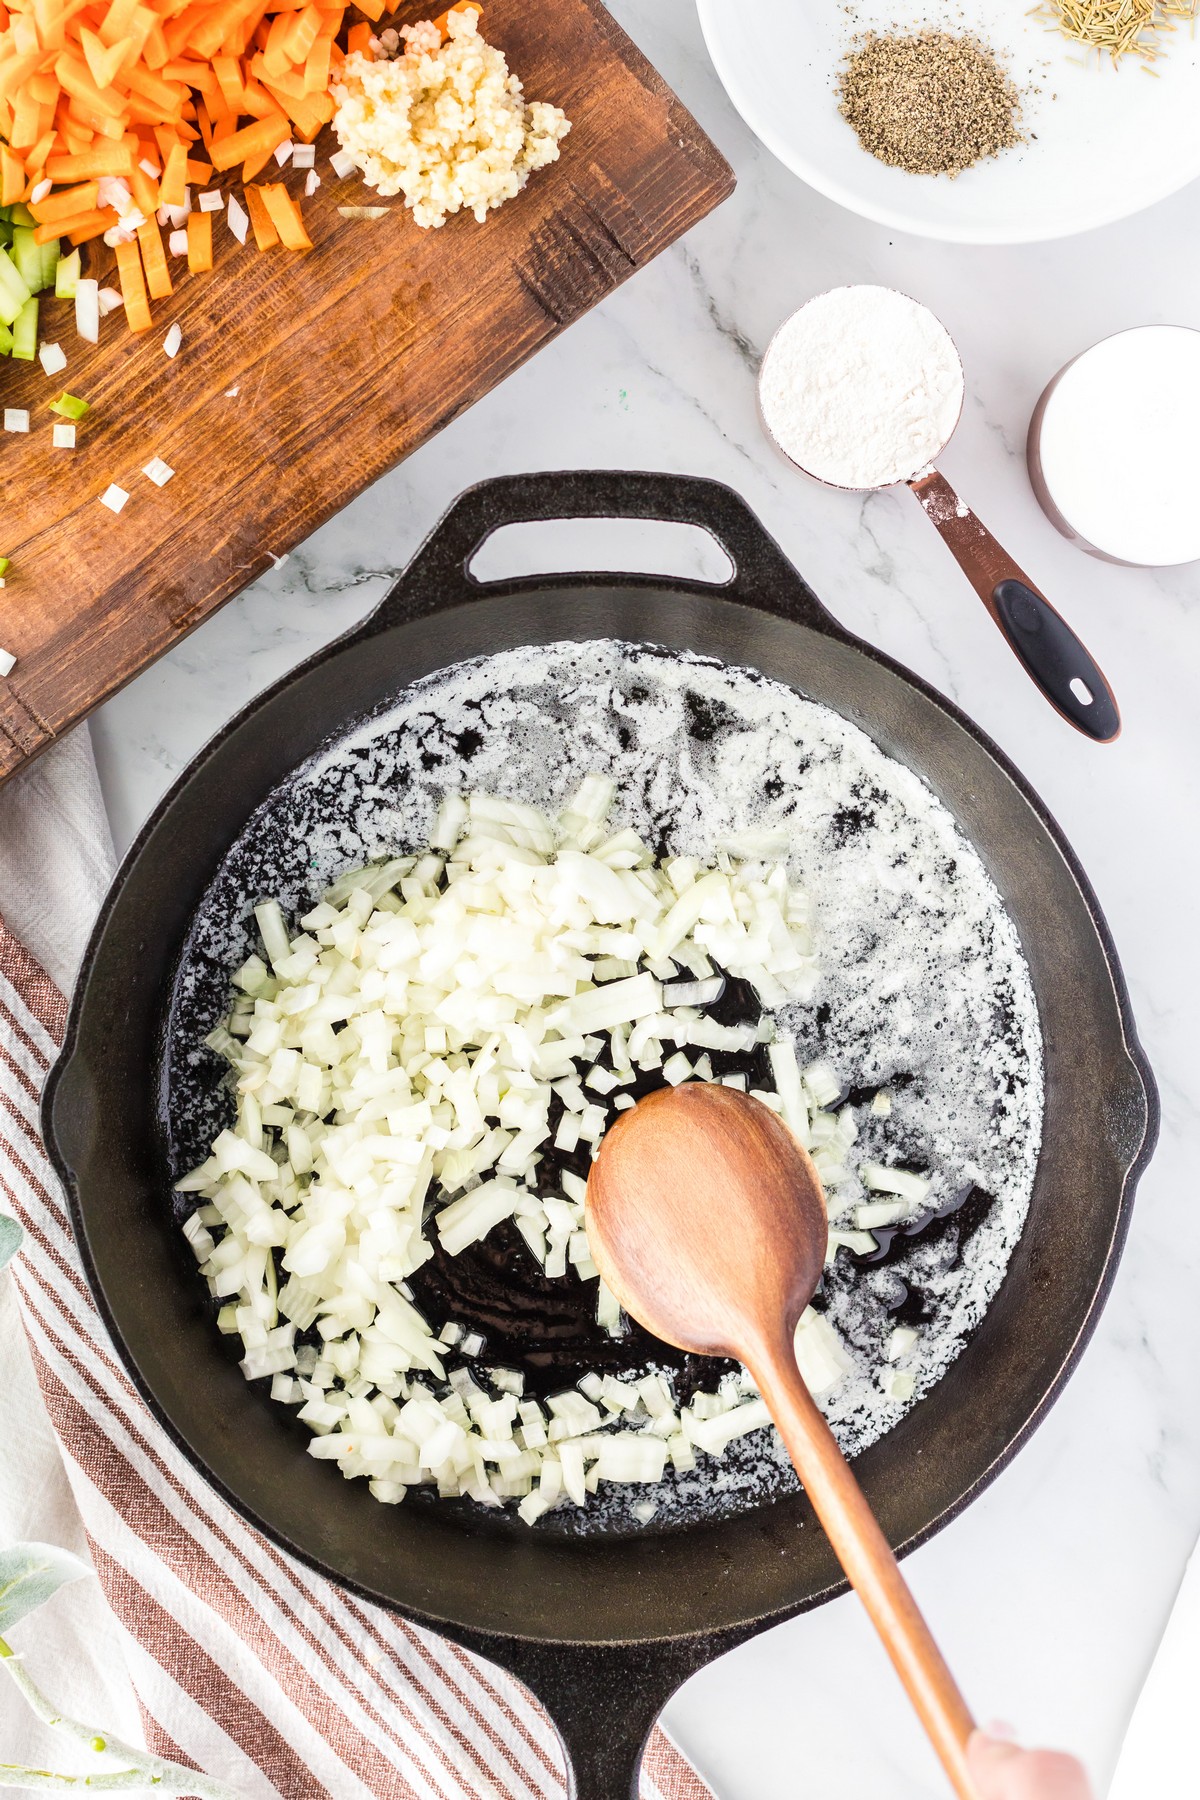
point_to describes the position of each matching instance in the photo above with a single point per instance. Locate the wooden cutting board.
(344, 360)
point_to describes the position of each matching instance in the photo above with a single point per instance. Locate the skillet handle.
(439, 573)
(603, 1700)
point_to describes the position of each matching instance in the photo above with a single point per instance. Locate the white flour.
(862, 387)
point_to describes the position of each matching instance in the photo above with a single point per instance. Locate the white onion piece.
(87, 309)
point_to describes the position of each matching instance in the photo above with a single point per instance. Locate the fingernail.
(1001, 1730)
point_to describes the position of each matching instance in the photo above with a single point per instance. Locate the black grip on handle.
(439, 573)
(1056, 658)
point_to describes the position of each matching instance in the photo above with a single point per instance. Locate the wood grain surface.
(345, 360)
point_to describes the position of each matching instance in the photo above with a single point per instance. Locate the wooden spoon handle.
(866, 1556)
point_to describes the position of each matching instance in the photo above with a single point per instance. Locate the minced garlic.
(446, 125)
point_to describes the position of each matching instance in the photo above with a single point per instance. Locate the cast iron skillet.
(604, 1629)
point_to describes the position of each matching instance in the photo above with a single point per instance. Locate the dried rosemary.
(1116, 28)
(930, 103)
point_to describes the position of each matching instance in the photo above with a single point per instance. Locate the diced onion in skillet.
(404, 1058)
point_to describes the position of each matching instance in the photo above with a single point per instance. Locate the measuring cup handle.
(1053, 656)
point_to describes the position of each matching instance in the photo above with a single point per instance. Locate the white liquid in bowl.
(1119, 446)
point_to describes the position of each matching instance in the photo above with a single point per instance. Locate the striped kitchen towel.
(240, 1660)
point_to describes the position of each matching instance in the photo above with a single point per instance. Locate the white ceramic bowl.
(1103, 142)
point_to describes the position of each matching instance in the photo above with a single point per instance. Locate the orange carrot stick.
(12, 176)
(66, 204)
(133, 287)
(154, 260)
(108, 159)
(265, 234)
(174, 177)
(252, 140)
(199, 237)
(285, 216)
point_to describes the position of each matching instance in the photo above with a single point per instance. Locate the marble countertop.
(1051, 1593)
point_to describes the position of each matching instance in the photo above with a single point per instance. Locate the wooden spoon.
(707, 1220)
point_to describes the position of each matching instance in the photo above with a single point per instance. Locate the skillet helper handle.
(439, 574)
(1052, 654)
(603, 1701)
(866, 1556)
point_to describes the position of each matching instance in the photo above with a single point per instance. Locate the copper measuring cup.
(1053, 657)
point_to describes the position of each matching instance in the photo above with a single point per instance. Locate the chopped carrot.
(227, 70)
(257, 102)
(254, 165)
(285, 216)
(103, 59)
(53, 228)
(133, 287)
(173, 181)
(359, 38)
(109, 159)
(12, 177)
(44, 88)
(27, 119)
(117, 20)
(37, 158)
(209, 35)
(305, 30)
(195, 74)
(308, 114)
(251, 140)
(125, 88)
(199, 237)
(287, 83)
(145, 192)
(65, 203)
(154, 260)
(81, 231)
(265, 234)
(155, 50)
(98, 125)
(167, 96)
(75, 77)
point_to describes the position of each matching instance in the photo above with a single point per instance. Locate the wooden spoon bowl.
(709, 1186)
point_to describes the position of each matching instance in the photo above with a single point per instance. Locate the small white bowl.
(1103, 142)
(1108, 460)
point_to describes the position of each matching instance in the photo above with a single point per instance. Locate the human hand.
(1003, 1771)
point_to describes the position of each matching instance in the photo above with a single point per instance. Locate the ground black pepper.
(929, 102)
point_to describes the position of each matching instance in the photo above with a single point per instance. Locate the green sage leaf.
(10, 1238)
(29, 1575)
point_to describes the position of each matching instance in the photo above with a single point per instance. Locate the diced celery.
(5, 565)
(21, 215)
(24, 331)
(50, 258)
(66, 276)
(6, 231)
(4, 212)
(5, 341)
(28, 257)
(69, 406)
(13, 291)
